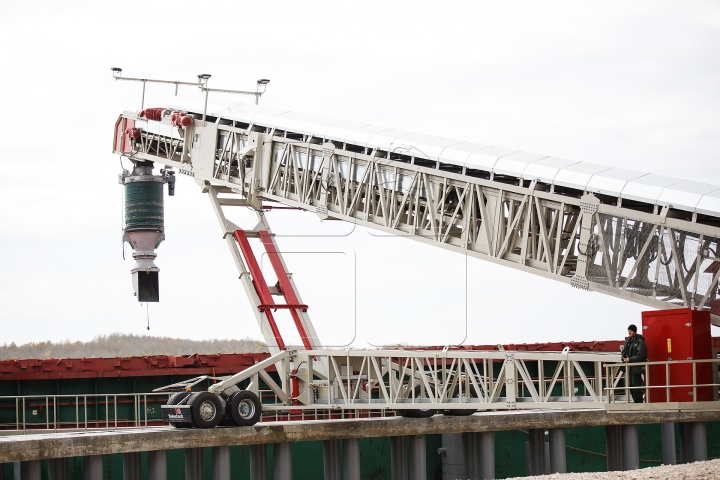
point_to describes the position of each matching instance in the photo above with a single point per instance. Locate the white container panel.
(422, 146)
(578, 175)
(340, 131)
(546, 168)
(515, 163)
(647, 188)
(267, 120)
(241, 113)
(384, 140)
(709, 204)
(612, 181)
(486, 158)
(685, 195)
(362, 135)
(305, 124)
(458, 154)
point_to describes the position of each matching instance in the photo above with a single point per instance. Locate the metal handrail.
(64, 412)
(616, 371)
(110, 421)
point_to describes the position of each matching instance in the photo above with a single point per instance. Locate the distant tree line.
(122, 345)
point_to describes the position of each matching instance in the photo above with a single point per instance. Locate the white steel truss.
(434, 380)
(662, 258)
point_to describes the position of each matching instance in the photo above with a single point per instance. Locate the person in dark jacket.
(634, 351)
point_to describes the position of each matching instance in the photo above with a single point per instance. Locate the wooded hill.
(121, 345)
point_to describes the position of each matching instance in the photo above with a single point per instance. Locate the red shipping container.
(678, 334)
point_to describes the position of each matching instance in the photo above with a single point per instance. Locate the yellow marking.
(669, 345)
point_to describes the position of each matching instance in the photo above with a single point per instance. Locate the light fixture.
(262, 82)
(117, 72)
(203, 78)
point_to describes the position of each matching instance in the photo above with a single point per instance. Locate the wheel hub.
(207, 411)
(246, 409)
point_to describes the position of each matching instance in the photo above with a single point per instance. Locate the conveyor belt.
(649, 239)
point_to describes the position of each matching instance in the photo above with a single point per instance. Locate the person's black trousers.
(637, 394)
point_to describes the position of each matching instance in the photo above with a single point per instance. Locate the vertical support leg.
(472, 461)
(193, 464)
(258, 462)
(157, 465)
(558, 458)
(536, 452)
(613, 448)
(479, 455)
(57, 469)
(685, 445)
(453, 464)
(351, 460)
(131, 466)
(221, 463)
(487, 454)
(698, 432)
(283, 461)
(331, 460)
(29, 470)
(667, 434)
(693, 442)
(418, 463)
(546, 463)
(630, 453)
(398, 458)
(92, 467)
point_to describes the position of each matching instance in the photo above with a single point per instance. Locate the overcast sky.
(628, 84)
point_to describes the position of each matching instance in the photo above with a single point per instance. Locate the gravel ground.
(698, 470)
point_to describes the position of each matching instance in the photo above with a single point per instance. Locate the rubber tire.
(196, 401)
(465, 412)
(417, 413)
(233, 408)
(174, 400)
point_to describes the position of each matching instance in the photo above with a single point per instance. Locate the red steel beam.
(285, 285)
(260, 285)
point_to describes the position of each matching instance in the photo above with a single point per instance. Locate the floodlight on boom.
(261, 83)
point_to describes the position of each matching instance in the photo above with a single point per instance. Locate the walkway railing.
(34, 413)
(25, 414)
(691, 383)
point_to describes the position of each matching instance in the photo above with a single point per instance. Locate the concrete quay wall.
(72, 444)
